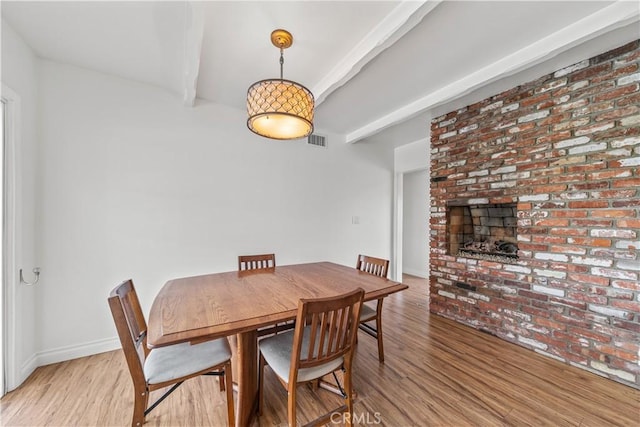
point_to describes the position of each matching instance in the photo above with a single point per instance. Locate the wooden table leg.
(247, 377)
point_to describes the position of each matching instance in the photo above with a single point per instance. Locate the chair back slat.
(342, 327)
(331, 325)
(332, 339)
(131, 326)
(314, 332)
(372, 265)
(256, 262)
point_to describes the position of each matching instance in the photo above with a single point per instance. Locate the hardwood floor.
(436, 373)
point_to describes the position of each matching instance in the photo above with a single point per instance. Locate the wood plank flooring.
(436, 373)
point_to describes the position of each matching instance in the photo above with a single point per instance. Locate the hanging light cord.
(281, 62)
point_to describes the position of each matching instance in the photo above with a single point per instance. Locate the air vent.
(317, 140)
(465, 286)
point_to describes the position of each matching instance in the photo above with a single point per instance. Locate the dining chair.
(377, 267)
(261, 262)
(256, 262)
(321, 343)
(153, 369)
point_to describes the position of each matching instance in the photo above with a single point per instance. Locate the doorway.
(411, 206)
(415, 225)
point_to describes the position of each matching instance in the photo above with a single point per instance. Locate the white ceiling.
(378, 69)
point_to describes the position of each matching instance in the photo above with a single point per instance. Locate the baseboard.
(75, 351)
(26, 369)
(61, 354)
(417, 273)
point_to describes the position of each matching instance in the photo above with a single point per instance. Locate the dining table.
(205, 307)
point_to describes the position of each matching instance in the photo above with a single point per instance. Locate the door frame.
(398, 212)
(9, 273)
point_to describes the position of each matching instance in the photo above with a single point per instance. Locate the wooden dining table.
(201, 308)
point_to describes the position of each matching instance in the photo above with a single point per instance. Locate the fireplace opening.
(486, 231)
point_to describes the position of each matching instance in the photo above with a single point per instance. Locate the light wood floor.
(436, 373)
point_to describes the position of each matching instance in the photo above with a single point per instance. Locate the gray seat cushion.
(180, 360)
(277, 352)
(367, 312)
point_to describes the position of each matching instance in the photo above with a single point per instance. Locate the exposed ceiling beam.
(193, 35)
(403, 18)
(617, 15)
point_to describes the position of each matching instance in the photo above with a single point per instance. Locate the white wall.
(19, 74)
(135, 185)
(415, 155)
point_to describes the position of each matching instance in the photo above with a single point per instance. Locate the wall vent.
(465, 286)
(317, 140)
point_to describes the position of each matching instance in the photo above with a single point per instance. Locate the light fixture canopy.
(279, 108)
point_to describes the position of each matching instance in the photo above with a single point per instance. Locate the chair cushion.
(181, 360)
(277, 351)
(367, 312)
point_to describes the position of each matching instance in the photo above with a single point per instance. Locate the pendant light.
(279, 108)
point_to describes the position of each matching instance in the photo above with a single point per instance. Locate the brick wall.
(566, 149)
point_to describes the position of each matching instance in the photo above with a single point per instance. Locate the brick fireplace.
(535, 224)
(482, 231)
